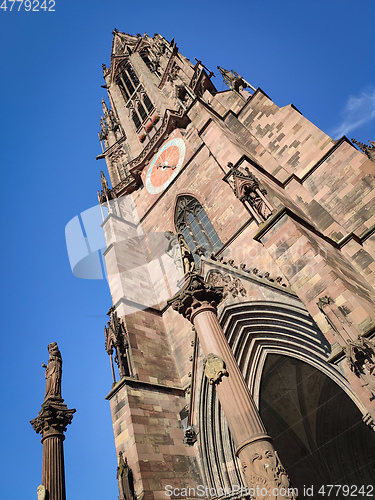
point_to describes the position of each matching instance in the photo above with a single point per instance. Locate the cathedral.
(240, 260)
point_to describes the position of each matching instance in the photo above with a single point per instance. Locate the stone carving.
(103, 134)
(368, 150)
(125, 479)
(242, 267)
(214, 368)
(247, 188)
(116, 339)
(234, 80)
(173, 72)
(360, 355)
(41, 491)
(190, 436)
(200, 251)
(54, 415)
(186, 255)
(168, 67)
(53, 372)
(231, 284)
(173, 250)
(195, 294)
(268, 474)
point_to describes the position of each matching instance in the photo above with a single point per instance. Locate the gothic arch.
(191, 219)
(259, 328)
(258, 331)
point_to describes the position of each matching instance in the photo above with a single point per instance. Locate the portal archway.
(307, 406)
(316, 427)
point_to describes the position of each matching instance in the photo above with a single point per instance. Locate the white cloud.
(357, 111)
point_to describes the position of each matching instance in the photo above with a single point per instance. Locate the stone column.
(263, 470)
(51, 423)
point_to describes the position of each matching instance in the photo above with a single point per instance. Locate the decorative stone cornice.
(195, 294)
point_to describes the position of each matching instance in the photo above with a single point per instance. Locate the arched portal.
(307, 406)
(316, 428)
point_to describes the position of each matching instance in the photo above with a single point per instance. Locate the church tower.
(240, 260)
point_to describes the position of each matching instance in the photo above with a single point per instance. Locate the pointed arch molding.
(254, 330)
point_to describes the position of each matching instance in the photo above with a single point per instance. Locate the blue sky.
(316, 55)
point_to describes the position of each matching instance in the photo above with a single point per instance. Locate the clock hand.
(161, 165)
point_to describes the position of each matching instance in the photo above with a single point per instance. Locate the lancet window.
(136, 100)
(192, 221)
(128, 81)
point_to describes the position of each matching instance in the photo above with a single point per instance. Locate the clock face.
(165, 165)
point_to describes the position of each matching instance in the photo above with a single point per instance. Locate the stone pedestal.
(51, 423)
(263, 470)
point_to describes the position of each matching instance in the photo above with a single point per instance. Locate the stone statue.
(187, 256)
(173, 250)
(53, 372)
(125, 479)
(41, 490)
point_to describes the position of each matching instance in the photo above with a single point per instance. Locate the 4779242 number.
(28, 5)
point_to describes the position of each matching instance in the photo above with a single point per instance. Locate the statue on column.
(53, 372)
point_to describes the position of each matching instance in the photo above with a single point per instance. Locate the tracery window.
(136, 99)
(136, 120)
(147, 103)
(191, 220)
(146, 59)
(128, 81)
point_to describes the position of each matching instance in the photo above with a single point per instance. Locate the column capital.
(195, 295)
(53, 418)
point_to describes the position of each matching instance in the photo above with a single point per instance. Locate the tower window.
(148, 103)
(142, 111)
(146, 60)
(191, 220)
(136, 120)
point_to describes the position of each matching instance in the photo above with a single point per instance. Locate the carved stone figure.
(214, 368)
(125, 479)
(360, 355)
(187, 256)
(248, 189)
(53, 372)
(268, 473)
(116, 339)
(233, 79)
(231, 285)
(41, 490)
(174, 251)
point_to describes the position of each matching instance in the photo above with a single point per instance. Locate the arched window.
(144, 54)
(142, 111)
(191, 220)
(147, 103)
(136, 120)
